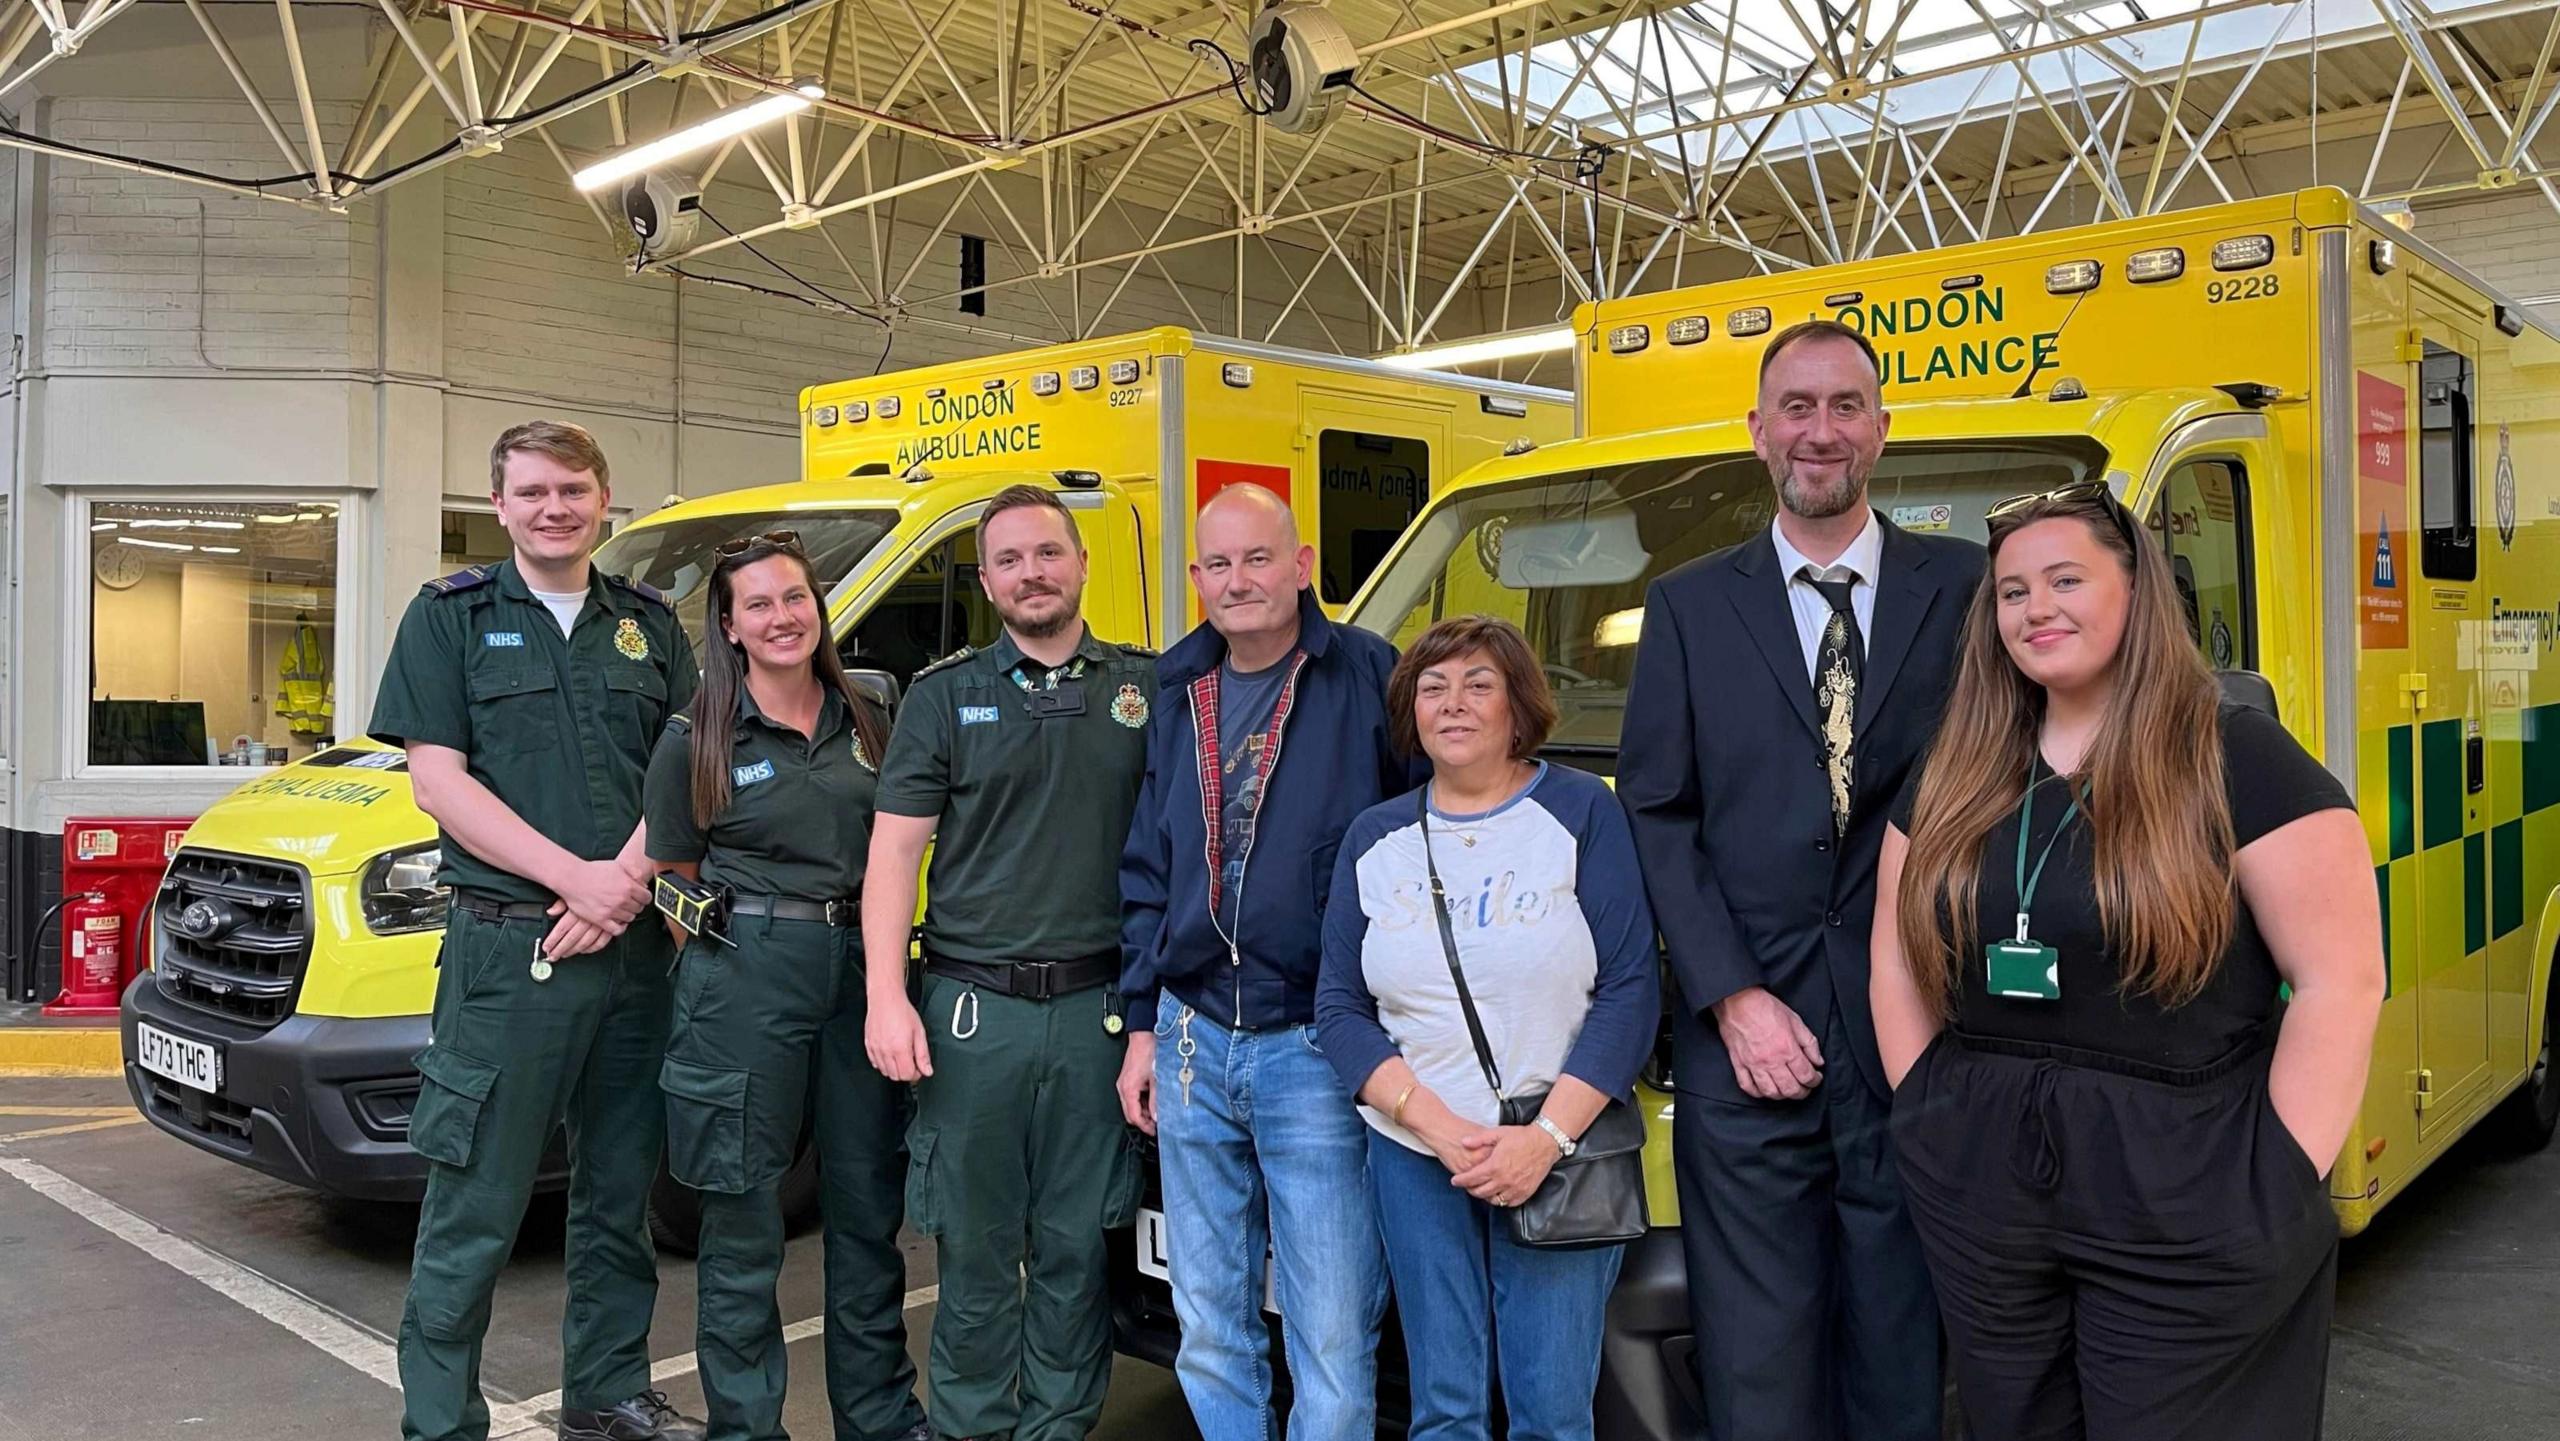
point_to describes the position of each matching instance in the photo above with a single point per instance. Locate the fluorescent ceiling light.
(97, 525)
(710, 132)
(278, 519)
(1491, 347)
(220, 549)
(157, 544)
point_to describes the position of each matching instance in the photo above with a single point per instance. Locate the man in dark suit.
(1783, 689)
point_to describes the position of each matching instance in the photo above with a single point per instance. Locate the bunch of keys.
(541, 963)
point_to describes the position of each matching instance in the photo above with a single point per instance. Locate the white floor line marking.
(334, 1334)
(524, 1418)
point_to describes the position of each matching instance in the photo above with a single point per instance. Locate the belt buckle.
(837, 911)
(1033, 979)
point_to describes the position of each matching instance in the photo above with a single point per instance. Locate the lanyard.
(2027, 879)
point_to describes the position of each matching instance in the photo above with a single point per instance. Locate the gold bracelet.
(1395, 1113)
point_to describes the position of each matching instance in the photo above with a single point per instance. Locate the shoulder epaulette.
(681, 723)
(460, 580)
(1144, 652)
(957, 656)
(641, 589)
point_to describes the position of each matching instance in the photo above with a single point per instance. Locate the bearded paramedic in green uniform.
(762, 793)
(528, 694)
(1021, 765)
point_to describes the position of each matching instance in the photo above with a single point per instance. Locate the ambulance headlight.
(2071, 277)
(1045, 383)
(1687, 330)
(400, 894)
(823, 417)
(2243, 252)
(1124, 372)
(1628, 339)
(2146, 266)
(1084, 377)
(856, 410)
(1751, 321)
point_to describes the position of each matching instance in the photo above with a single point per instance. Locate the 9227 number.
(2239, 287)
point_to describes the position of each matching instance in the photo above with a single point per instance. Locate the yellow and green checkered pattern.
(2413, 787)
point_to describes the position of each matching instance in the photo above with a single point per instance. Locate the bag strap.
(1449, 948)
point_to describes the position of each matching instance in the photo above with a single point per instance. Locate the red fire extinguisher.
(93, 973)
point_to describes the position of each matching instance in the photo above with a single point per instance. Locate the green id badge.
(2022, 971)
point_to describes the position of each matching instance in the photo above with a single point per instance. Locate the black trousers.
(1806, 1284)
(2122, 1253)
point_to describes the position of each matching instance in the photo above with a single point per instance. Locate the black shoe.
(645, 1417)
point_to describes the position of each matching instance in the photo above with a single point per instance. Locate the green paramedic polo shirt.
(1034, 807)
(560, 729)
(798, 823)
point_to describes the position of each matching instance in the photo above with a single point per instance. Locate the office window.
(1368, 489)
(212, 631)
(471, 537)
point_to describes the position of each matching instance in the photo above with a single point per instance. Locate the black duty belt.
(1029, 980)
(843, 911)
(490, 908)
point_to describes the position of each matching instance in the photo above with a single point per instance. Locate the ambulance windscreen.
(675, 555)
(1567, 557)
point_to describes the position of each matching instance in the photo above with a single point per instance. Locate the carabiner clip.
(969, 1000)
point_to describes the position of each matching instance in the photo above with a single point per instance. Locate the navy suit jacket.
(1720, 769)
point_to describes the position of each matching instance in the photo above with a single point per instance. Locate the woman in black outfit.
(2113, 1125)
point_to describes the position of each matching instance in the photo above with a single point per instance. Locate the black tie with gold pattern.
(1838, 665)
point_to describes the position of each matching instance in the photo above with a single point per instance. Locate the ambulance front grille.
(233, 935)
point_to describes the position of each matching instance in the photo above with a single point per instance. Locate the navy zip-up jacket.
(1335, 761)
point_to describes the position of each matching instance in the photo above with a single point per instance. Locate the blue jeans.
(1265, 1150)
(1476, 1305)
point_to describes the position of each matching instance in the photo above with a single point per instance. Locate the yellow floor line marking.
(46, 1071)
(8, 1137)
(66, 1110)
(525, 1418)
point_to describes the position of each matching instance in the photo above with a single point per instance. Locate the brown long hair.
(2152, 779)
(724, 669)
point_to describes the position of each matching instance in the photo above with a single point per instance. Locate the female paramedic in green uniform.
(763, 791)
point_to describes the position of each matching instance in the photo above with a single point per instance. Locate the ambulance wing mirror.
(878, 686)
(2248, 688)
(1579, 550)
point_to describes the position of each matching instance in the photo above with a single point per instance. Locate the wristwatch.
(1564, 1143)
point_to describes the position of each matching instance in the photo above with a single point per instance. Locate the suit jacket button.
(1822, 845)
(1833, 918)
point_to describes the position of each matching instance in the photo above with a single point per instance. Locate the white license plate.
(189, 1063)
(1155, 1258)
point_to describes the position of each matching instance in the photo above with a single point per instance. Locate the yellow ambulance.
(297, 927)
(2350, 449)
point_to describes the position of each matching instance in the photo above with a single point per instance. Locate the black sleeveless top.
(2270, 780)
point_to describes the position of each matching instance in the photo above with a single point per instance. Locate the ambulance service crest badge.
(1130, 707)
(628, 639)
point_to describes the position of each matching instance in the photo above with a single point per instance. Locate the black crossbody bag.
(1594, 1197)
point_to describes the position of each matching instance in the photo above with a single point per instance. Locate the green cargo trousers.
(766, 1036)
(510, 1060)
(1019, 1163)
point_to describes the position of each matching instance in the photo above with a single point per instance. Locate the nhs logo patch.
(749, 775)
(502, 638)
(977, 715)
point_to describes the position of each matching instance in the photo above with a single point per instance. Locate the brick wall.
(282, 287)
(2512, 240)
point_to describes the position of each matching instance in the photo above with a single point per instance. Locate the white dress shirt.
(1812, 612)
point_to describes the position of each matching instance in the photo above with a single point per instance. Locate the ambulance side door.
(1366, 466)
(2447, 621)
(1117, 564)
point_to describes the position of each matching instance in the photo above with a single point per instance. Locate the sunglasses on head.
(2078, 492)
(779, 539)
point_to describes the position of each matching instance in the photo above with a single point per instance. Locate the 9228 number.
(2239, 287)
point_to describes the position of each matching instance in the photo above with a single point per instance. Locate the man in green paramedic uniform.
(1021, 763)
(528, 695)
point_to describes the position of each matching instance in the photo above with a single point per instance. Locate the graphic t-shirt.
(1245, 702)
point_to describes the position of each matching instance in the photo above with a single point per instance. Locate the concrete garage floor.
(153, 1290)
